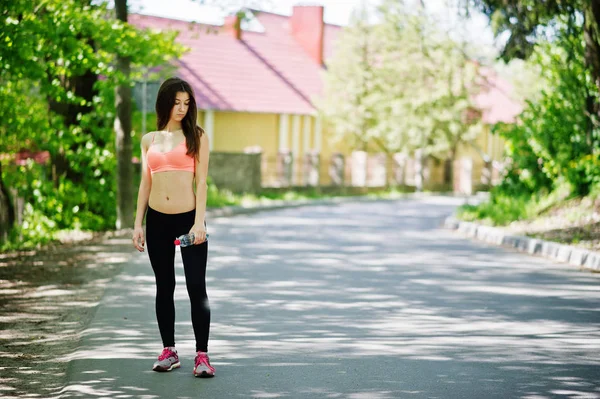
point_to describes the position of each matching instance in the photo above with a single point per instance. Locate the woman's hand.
(138, 239)
(199, 233)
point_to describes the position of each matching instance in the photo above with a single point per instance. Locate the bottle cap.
(177, 242)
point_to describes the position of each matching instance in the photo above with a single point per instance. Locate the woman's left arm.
(199, 229)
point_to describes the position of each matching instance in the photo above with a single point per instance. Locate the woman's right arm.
(143, 195)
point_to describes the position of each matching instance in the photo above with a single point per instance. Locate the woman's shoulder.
(147, 139)
(203, 136)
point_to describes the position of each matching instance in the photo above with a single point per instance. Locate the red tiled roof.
(263, 72)
(494, 99)
(270, 72)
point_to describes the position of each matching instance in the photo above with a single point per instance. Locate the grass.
(558, 216)
(503, 209)
(215, 199)
(219, 198)
(499, 211)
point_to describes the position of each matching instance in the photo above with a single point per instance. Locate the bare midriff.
(172, 192)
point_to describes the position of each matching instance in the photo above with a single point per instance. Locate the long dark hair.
(165, 100)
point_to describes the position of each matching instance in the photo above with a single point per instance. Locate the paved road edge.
(583, 258)
(282, 204)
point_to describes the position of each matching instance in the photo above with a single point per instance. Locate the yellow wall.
(234, 131)
(329, 146)
(436, 173)
(200, 119)
(489, 144)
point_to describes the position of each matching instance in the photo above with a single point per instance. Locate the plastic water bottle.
(186, 240)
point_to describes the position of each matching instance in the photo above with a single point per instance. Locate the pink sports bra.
(176, 159)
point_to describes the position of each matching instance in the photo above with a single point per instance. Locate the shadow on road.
(357, 301)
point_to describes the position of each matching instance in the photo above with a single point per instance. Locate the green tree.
(559, 136)
(530, 22)
(550, 144)
(53, 99)
(125, 195)
(349, 83)
(430, 108)
(401, 85)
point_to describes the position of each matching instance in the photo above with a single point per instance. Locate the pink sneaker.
(167, 361)
(202, 367)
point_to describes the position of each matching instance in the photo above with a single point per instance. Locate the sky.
(336, 11)
(475, 30)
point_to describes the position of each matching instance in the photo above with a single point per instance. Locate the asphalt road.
(361, 300)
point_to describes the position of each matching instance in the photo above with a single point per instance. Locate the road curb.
(575, 256)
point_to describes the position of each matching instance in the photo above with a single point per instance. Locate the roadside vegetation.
(62, 158)
(558, 216)
(551, 184)
(31, 237)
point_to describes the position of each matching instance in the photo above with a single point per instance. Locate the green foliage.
(500, 210)
(52, 99)
(558, 208)
(400, 85)
(584, 173)
(505, 207)
(217, 198)
(556, 140)
(37, 229)
(554, 150)
(560, 129)
(348, 85)
(527, 21)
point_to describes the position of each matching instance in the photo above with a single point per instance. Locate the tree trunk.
(591, 15)
(7, 211)
(82, 86)
(123, 136)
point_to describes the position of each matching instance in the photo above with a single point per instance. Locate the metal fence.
(312, 169)
(376, 170)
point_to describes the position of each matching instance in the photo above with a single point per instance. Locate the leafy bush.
(57, 95)
(500, 210)
(584, 173)
(37, 229)
(217, 198)
(555, 139)
(503, 208)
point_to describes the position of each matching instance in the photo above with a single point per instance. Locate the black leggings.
(161, 231)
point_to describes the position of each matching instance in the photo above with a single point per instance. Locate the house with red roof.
(480, 163)
(255, 89)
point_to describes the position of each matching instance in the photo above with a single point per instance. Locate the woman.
(173, 159)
